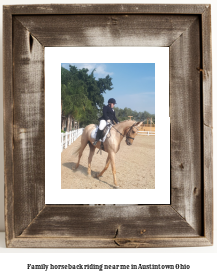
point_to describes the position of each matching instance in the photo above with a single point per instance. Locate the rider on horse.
(108, 117)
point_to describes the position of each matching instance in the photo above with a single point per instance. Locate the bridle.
(128, 132)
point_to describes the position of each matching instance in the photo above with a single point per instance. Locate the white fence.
(69, 137)
(146, 133)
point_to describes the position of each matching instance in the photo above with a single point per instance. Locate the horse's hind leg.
(106, 167)
(92, 150)
(81, 149)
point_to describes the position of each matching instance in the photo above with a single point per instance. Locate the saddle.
(104, 133)
(105, 130)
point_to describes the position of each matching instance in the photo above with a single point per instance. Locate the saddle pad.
(94, 132)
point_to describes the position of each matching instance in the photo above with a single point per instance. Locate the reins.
(127, 137)
(127, 132)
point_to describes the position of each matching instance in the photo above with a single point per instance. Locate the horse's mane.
(125, 121)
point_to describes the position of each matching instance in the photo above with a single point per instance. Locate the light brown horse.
(126, 128)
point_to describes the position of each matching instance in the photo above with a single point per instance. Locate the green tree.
(122, 114)
(82, 95)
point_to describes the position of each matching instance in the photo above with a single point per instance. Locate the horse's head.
(132, 132)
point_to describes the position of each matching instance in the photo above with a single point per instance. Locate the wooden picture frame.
(186, 30)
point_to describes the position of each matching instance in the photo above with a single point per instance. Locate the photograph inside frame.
(108, 125)
(95, 94)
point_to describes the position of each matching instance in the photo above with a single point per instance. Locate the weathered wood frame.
(188, 220)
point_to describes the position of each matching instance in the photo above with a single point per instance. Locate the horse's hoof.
(115, 184)
(96, 175)
(89, 175)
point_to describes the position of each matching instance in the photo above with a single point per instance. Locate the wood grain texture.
(208, 183)
(29, 130)
(34, 242)
(29, 223)
(106, 9)
(185, 113)
(109, 222)
(8, 125)
(207, 122)
(107, 30)
(207, 67)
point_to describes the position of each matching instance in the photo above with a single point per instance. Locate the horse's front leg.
(92, 150)
(105, 168)
(112, 158)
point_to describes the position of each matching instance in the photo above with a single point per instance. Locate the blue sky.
(133, 84)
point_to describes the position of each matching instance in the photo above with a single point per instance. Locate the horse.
(117, 132)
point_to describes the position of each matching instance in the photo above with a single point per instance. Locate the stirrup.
(95, 142)
(102, 146)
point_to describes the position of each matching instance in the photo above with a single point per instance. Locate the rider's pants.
(102, 124)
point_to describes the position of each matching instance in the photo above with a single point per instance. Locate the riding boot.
(98, 136)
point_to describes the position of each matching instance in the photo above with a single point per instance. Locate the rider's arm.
(115, 119)
(105, 116)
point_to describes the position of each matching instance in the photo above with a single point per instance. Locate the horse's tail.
(76, 151)
(83, 143)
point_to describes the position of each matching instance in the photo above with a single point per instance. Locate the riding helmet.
(112, 100)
